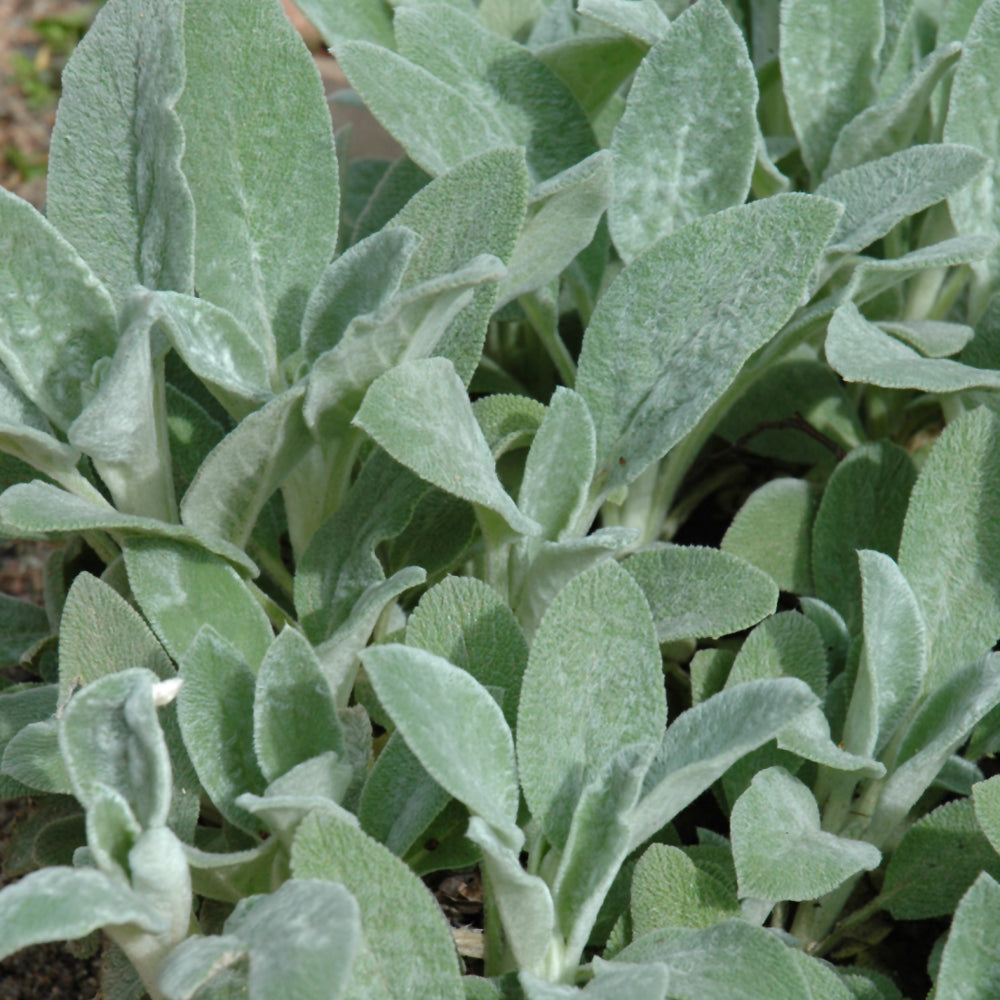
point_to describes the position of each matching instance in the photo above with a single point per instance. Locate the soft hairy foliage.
(434, 515)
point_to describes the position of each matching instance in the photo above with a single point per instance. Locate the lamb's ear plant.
(433, 514)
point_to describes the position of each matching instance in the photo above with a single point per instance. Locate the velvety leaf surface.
(687, 142)
(779, 848)
(986, 799)
(57, 321)
(954, 513)
(970, 963)
(594, 685)
(697, 592)
(116, 190)
(342, 20)
(262, 166)
(654, 359)
(398, 914)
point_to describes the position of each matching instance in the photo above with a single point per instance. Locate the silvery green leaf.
(180, 588)
(823, 980)
(452, 725)
(563, 215)
(470, 625)
(27, 435)
(123, 427)
(294, 717)
(867, 984)
(302, 940)
(972, 119)
(954, 515)
(37, 509)
(33, 761)
(734, 959)
(111, 738)
(411, 325)
(211, 967)
(522, 101)
(523, 900)
(340, 562)
(22, 624)
(891, 124)
(398, 915)
(648, 981)
(60, 904)
(358, 282)
(809, 738)
(656, 358)
(597, 843)
(116, 190)
(933, 338)
(397, 183)
(112, 830)
(477, 208)
(266, 197)
(670, 890)
(559, 466)
(773, 529)
(861, 352)
(970, 962)
(215, 709)
(687, 143)
(342, 20)
(508, 421)
(986, 798)
(216, 347)
(593, 67)
(643, 20)
(707, 739)
(785, 645)
(59, 320)
(829, 57)
(893, 657)
(420, 413)
(246, 467)
(594, 684)
(437, 125)
(881, 193)
(696, 592)
(779, 848)
(937, 860)
(943, 722)
(231, 876)
(862, 507)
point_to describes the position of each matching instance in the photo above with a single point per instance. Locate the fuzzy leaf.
(970, 963)
(594, 685)
(779, 848)
(343, 20)
(655, 358)
(116, 190)
(687, 142)
(954, 515)
(986, 798)
(398, 914)
(696, 592)
(262, 167)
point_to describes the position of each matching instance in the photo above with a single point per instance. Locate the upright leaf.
(970, 962)
(656, 356)
(687, 142)
(262, 166)
(116, 190)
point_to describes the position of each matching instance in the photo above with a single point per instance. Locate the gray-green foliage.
(389, 496)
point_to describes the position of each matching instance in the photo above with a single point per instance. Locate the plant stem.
(546, 325)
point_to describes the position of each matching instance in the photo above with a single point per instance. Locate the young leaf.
(933, 338)
(954, 513)
(398, 915)
(452, 725)
(862, 507)
(294, 718)
(893, 658)
(655, 359)
(180, 588)
(350, 19)
(779, 848)
(970, 963)
(937, 860)
(61, 319)
(829, 56)
(594, 685)
(116, 190)
(644, 20)
(215, 709)
(688, 139)
(696, 592)
(266, 197)
(772, 531)
(420, 413)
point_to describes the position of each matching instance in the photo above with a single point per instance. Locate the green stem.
(856, 919)
(546, 325)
